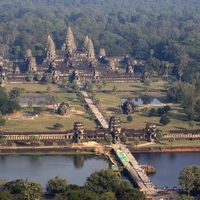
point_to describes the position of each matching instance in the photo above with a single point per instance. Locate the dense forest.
(102, 185)
(131, 26)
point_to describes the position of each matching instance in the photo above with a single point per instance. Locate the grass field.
(33, 88)
(45, 121)
(139, 121)
(176, 143)
(110, 104)
(135, 86)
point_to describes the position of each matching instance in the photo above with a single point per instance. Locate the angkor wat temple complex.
(82, 62)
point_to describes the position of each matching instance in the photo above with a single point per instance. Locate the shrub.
(152, 112)
(167, 108)
(123, 138)
(108, 138)
(160, 111)
(129, 118)
(56, 185)
(57, 126)
(37, 110)
(164, 120)
(2, 122)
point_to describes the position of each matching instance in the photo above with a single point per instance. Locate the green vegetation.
(164, 119)
(185, 197)
(102, 185)
(179, 143)
(188, 95)
(108, 138)
(7, 105)
(56, 185)
(133, 29)
(25, 190)
(189, 180)
(58, 126)
(110, 105)
(2, 122)
(46, 118)
(129, 118)
(5, 195)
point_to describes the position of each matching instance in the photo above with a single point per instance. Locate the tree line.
(101, 185)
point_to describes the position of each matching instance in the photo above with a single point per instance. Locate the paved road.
(95, 110)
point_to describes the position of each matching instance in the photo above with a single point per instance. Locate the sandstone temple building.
(61, 63)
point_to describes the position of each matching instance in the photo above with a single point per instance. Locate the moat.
(168, 166)
(76, 168)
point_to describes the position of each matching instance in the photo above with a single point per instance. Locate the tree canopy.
(7, 105)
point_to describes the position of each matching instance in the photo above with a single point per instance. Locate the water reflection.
(79, 161)
(74, 168)
(140, 101)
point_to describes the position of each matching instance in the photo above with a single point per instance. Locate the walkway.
(137, 174)
(95, 110)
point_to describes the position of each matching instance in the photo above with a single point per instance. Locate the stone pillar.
(78, 132)
(115, 128)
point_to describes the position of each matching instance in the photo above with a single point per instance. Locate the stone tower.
(150, 132)
(96, 75)
(17, 70)
(112, 67)
(70, 45)
(29, 53)
(31, 61)
(90, 51)
(51, 49)
(102, 53)
(86, 41)
(3, 79)
(115, 128)
(128, 107)
(75, 77)
(78, 132)
(129, 69)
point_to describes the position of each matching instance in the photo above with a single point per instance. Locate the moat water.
(140, 102)
(77, 168)
(168, 166)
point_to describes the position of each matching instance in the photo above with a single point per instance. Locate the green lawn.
(176, 143)
(31, 87)
(135, 86)
(140, 119)
(110, 104)
(45, 123)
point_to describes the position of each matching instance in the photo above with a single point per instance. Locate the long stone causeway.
(136, 173)
(95, 110)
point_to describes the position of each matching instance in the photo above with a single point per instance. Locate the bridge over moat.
(136, 173)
